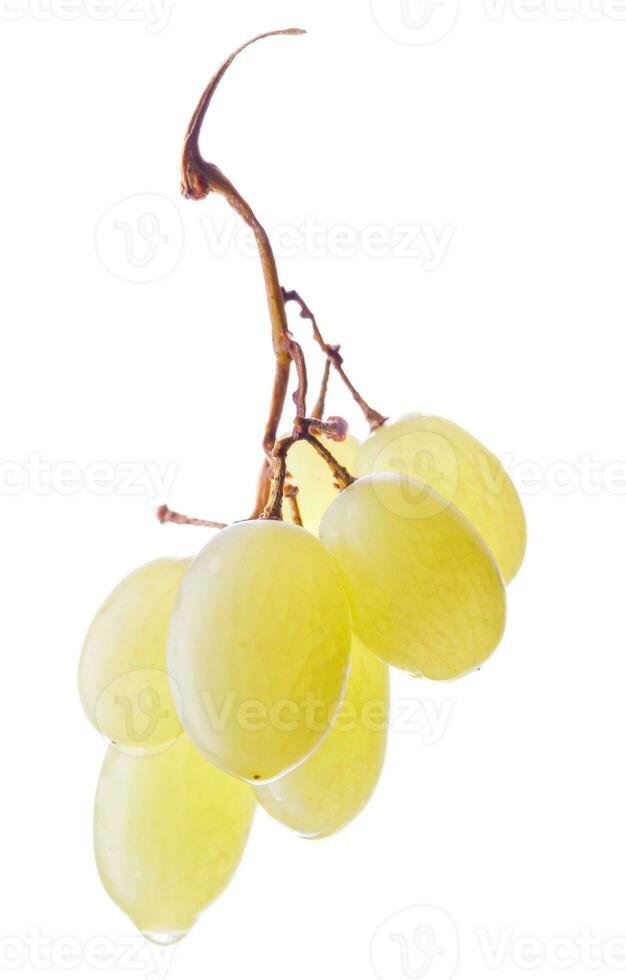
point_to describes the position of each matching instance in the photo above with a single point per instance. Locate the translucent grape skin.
(462, 470)
(169, 832)
(258, 648)
(335, 783)
(122, 675)
(425, 592)
(311, 475)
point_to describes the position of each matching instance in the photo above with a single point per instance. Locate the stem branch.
(374, 418)
(167, 516)
(305, 429)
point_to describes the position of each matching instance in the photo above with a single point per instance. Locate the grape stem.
(305, 429)
(167, 516)
(290, 494)
(333, 356)
(199, 179)
(320, 404)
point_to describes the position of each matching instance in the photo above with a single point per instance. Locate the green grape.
(122, 675)
(462, 470)
(169, 832)
(258, 647)
(425, 592)
(311, 475)
(328, 790)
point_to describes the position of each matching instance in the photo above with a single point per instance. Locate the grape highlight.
(258, 647)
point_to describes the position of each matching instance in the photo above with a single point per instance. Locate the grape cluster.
(272, 648)
(258, 672)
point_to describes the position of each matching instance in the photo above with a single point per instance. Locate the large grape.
(122, 674)
(259, 646)
(169, 831)
(311, 475)
(425, 592)
(462, 470)
(336, 781)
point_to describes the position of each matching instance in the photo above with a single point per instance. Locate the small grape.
(425, 592)
(462, 470)
(334, 784)
(258, 647)
(122, 674)
(169, 832)
(311, 475)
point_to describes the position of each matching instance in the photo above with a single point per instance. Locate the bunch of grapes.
(258, 672)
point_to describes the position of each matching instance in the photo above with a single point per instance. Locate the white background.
(506, 137)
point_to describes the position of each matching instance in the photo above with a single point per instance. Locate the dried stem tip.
(167, 516)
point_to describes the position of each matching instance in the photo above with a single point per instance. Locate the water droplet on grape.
(165, 938)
